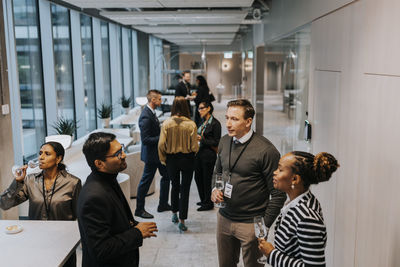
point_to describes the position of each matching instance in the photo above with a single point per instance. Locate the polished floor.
(197, 247)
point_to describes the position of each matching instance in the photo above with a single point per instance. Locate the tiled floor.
(197, 247)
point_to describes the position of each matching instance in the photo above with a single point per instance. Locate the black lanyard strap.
(240, 154)
(47, 205)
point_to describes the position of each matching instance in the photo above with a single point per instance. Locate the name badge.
(228, 190)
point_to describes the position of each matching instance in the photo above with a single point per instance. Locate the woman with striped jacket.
(300, 235)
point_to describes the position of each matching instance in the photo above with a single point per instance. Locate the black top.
(106, 224)
(203, 95)
(182, 89)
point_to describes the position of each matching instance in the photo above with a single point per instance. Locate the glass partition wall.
(88, 73)
(27, 38)
(63, 62)
(286, 83)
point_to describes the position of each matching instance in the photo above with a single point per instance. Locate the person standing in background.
(201, 95)
(183, 88)
(177, 148)
(149, 135)
(208, 134)
(249, 160)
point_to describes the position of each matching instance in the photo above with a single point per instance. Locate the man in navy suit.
(149, 134)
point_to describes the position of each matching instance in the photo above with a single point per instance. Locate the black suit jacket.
(182, 90)
(211, 137)
(106, 224)
(149, 135)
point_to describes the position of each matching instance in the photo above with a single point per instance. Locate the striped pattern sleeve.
(311, 234)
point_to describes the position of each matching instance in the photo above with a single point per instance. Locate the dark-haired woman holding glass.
(300, 235)
(52, 193)
(208, 134)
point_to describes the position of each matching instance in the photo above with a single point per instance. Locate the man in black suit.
(110, 235)
(149, 134)
(183, 87)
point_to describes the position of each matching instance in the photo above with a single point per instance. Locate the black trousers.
(204, 167)
(178, 164)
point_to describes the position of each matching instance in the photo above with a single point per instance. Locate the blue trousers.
(147, 178)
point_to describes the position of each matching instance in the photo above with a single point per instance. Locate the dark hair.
(180, 107)
(60, 151)
(202, 82)
(245, 104)
(314, 169)
(96, 147)
(150, 93)
(208, 104)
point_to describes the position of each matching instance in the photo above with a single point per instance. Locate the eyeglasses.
(201, 108)
(117, 154)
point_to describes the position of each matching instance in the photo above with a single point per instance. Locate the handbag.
(212, 97)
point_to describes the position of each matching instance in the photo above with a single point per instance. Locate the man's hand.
(198, 137)
(147, 229)
(265, 247)
(217, 196)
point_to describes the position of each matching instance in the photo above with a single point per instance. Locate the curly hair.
(314, 169)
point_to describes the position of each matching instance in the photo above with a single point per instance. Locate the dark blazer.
(106, 224)
(211, 137)
(203, 95)
(182, 90)
(149, 134)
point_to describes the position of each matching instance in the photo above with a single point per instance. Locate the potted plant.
(104, 113)
(64, 126)
(126, 104)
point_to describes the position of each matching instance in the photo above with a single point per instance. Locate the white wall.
(354, 91)
(287, 15)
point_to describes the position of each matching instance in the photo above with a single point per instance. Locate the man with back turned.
(110, 235)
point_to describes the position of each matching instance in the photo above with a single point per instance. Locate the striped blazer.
(300, 237)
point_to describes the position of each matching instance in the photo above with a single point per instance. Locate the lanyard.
(237, 159)
(204, 125)
(47, 206)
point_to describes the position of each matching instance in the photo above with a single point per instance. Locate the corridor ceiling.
(183, 22)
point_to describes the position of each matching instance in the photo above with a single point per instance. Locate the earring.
(292, 186)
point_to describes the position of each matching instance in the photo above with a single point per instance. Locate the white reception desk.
(41, 243)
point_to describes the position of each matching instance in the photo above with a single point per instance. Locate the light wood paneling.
(325, 132)
(378, 210)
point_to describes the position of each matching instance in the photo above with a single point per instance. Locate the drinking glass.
(220, 185)
(261, 231)
(17, 170)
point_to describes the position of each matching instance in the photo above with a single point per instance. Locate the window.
(131, 62)
(30, 75)
(88, 73)
(105, 52)
(63, 62)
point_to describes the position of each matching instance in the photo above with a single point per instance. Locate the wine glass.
(33, 163)
(219, 185)
(261, 231)
(17, 170)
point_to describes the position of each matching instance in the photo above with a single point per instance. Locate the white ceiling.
(183, 22)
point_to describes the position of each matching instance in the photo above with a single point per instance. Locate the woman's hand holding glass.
(19, 172)
(261, 232)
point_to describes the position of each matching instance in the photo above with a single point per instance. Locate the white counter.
(41, 243)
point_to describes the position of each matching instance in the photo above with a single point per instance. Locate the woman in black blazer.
(300, 235)
(209, 134)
